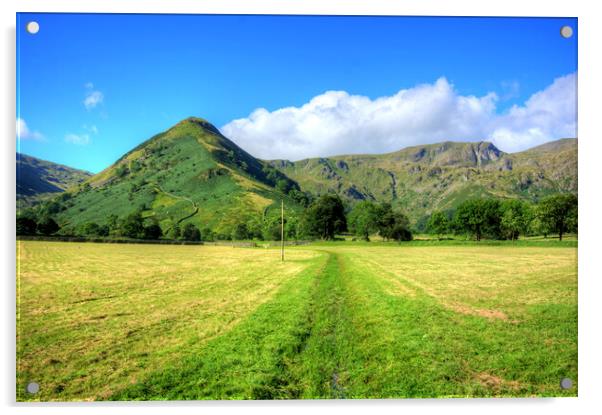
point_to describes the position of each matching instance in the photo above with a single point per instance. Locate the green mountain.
(190, 173)
(38, 179)
(424, 178)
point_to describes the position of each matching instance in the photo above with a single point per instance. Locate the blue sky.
(91, 87)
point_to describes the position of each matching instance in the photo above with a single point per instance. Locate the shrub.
(191, 233)
(26, 225)
(153, 231)
(133, 226)
(176, 232)
(240, 232)
(90, 229)
(47, 226)
(103, 230)
(208, 234)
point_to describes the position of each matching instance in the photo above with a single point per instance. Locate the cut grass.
(418, 346)
(334, 321)
(95, 317)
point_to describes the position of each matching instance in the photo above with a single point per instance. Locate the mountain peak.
(452, 153)
(198, 122)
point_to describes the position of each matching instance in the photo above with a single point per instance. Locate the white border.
(590, 154)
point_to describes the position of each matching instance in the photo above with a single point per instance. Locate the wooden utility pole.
(282, 233)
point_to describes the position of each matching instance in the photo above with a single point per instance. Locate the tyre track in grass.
(257, 359)
(334, 332)
(319, 364)
(293, 347)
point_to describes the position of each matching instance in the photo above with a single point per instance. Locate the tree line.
(508, 219)
(327, 216)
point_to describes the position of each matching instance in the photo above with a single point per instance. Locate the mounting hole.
(566, 31)
(566, 383)
(32, 387)
(32, 27)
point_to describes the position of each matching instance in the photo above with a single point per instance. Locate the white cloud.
(24, 133)
(93, 97)
(79, 139)
(84, 138)
(91, 129)
(547, 115)
(339, 123)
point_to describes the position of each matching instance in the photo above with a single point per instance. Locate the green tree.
(479, 217)
(438, 223)
(271, 228)
(324, 218)
(50, 207)
(401, 228)
(291, 224)
(558, 214)
(113, 222)
(47, 226)
(240, 232)
(220, 236)
(121, 171)
(363, 219)
(176, 232)
(302, 198)
(191, 233)
(255, 227)
(90, 229)
(516, 218)
(393, 225)
(152, 232)
(385, 220)
(537, 226)
(133, 226)
(283, 185)
(26, 225)
(103, 230)
(208, 234)
(63, 197)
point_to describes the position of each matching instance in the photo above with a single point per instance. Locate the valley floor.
(147, 322)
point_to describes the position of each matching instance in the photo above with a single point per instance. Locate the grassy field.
(343, 320)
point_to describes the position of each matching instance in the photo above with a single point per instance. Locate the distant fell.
(421, 179)
(38, 179)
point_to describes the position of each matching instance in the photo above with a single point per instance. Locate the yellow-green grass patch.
(95, 317)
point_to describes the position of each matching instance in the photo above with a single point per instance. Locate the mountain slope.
(189, 173)
(37, 178)
(424, 178)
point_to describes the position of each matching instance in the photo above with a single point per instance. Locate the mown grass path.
(351, 328)
(332, 322)
(287, 349)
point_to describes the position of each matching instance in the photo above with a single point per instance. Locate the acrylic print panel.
(295, 207)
